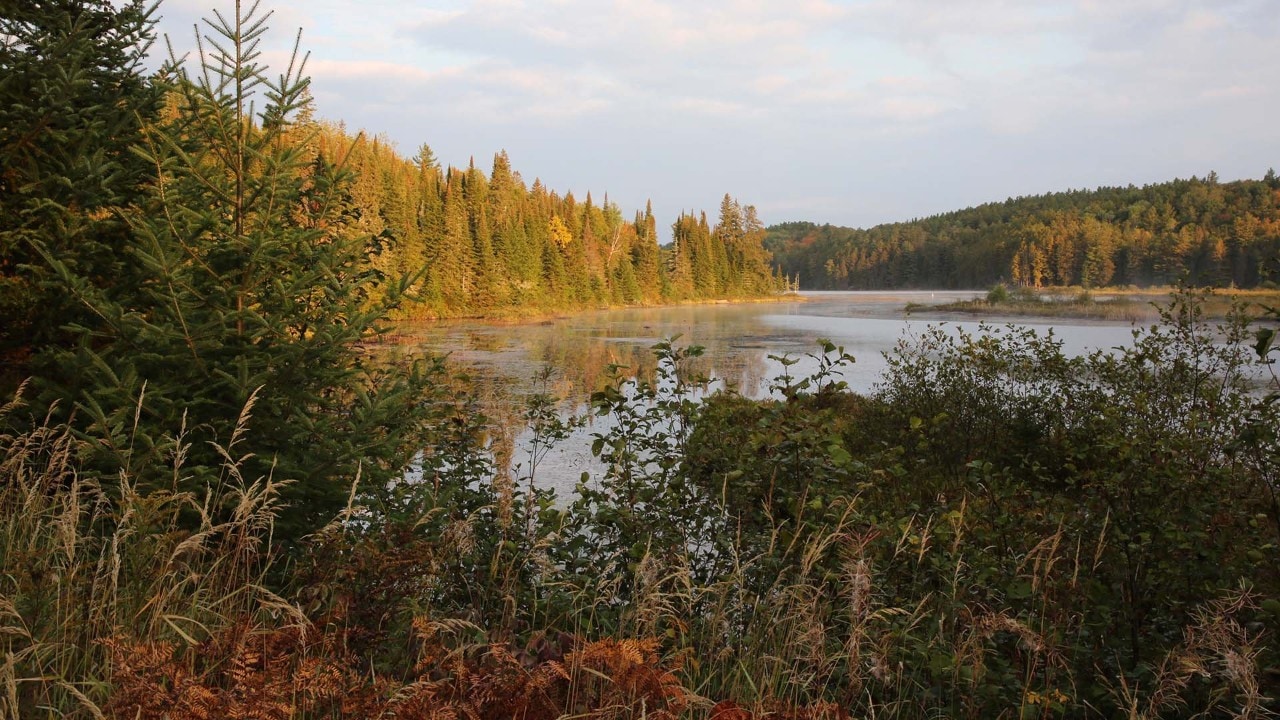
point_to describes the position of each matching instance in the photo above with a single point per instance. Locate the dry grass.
(119, 605)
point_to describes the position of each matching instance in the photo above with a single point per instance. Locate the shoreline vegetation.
(1120, 304)
(1199, 231)
(215, 503)
(998, 530)
(517, 316)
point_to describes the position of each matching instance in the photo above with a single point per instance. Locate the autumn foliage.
(293, 671)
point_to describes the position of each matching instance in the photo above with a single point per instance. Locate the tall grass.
(873, 576)
(83, 568)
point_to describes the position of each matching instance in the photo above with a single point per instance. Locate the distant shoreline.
(1132, 304)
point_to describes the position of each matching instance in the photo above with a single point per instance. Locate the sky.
(850, 112)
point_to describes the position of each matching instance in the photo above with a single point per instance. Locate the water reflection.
(739, 340)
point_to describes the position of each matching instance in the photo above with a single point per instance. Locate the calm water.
(738, 339)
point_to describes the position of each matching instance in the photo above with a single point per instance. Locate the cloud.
(694, 56)
(793, 106)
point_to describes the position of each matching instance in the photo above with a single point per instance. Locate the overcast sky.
(852, 112)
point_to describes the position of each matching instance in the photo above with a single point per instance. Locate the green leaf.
(1265, 340)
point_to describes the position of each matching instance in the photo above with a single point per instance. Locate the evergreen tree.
(503, 216)
(680, 258)
(454, 261)
(1205, 231)
(255, 291)
(754, 261)
(729, 239)
(430, 226)
(645, 256)
(72, 101)
(490, 285)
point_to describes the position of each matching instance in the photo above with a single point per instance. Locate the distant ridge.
(1200, 230)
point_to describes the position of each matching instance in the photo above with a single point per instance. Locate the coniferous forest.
(169, 256)
(221, 497)
(1199, 231)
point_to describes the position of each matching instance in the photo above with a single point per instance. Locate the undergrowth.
(998, 531)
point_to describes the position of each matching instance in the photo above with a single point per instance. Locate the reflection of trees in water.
(486, 340)
(742, 371)
(583, 365)
(500, 365)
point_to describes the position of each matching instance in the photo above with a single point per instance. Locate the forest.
(170, 254)
(1199, 231)
(220, 497)
(82, 155)
(489, 245)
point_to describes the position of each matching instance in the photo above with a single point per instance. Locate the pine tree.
(73, 98)
(754, 262)
(729, 245)
(454, 261)
(491, 285)
(430, 225)
(255, 293)
(645, 256)
(680, 258)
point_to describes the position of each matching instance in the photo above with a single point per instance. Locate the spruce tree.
(254, 293)
(73, 97)
(430, 226)
(454, 261)
(645, 255)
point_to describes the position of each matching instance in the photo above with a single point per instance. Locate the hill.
(1203, 231)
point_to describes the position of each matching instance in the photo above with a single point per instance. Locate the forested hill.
(1199, 230)
(487, 243)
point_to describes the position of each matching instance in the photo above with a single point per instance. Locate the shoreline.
(536, 316)
(1115, 304)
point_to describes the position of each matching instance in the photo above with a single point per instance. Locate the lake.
(739, 338)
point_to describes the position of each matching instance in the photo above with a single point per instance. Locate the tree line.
(217, 501)
(1199, 231)
(480, 244)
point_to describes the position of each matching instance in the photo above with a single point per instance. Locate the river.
(739, 340)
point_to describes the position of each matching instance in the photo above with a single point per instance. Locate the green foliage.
(1198, 231)
(494, 246)
(999, 530)
(73, 101)
(253, 280)
(1036, 525)
(780, 470)
(642, 504)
